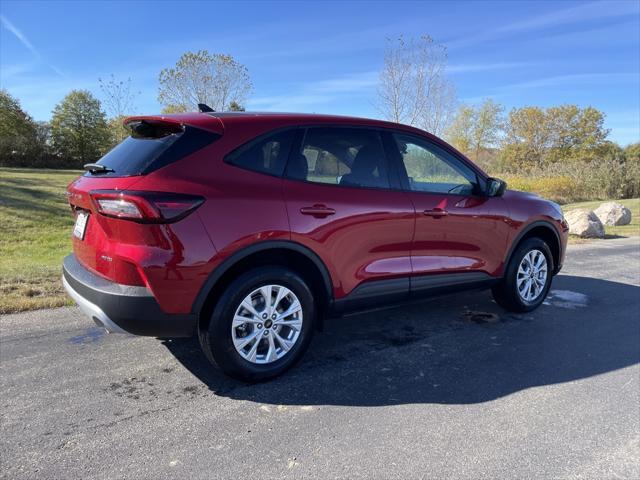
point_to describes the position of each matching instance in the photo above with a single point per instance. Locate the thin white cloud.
(572, 15)
(289, 103)
(559, 83)
(15, 70)
(310, 96)
(347, 83)
(577, 14)
(25, 41)
(482, 67)
(577, 80)
(615, 34)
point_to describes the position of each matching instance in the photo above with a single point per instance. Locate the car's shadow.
(435, 352)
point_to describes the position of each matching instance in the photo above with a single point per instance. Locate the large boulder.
(584, 223)
(612, 213)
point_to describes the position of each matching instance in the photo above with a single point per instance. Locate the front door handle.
(318, 211)
(436, 213)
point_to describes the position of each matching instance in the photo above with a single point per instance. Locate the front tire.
(261, 325)
(527, 278)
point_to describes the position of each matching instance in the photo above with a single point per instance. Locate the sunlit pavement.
(452, 387)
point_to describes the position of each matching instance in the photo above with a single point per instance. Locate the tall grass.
(573, 182)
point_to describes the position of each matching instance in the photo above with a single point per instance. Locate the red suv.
(248, 229)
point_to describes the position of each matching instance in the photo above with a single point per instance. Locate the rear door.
(458, 231)
(343, 205)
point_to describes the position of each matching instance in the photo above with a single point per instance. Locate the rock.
(584, 223)
(612, 213)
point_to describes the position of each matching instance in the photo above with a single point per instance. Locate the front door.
(342, 205)
(458, 230)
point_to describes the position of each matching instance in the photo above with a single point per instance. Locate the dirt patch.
(480, 317)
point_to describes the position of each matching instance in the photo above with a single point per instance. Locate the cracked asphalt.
(451, 387)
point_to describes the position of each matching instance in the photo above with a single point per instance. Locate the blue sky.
(324, 57)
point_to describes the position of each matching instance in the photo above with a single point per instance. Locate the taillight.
(118, 208)
(145, 207)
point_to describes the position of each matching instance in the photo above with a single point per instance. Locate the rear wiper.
(95, 168)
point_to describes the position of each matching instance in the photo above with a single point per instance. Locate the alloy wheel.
(267, 324)
(532, 275)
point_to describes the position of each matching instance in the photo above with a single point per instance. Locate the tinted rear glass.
(266, 154)
(140, 155)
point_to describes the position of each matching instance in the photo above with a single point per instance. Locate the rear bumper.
(121, 308)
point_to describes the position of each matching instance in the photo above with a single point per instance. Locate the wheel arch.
(545, 231)
(274, 252)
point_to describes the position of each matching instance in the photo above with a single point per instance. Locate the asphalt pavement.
(453, 387)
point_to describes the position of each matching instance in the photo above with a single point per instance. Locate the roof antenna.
(204, 108)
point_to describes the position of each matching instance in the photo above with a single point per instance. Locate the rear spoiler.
(197, 120)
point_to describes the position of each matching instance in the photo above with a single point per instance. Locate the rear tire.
(257, 331)
(527, 277)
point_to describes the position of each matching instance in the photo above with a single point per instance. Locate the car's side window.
(350, 157)
(433, 169)
(267, 154)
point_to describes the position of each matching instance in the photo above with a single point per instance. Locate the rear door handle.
(436, 213)
(318, 211)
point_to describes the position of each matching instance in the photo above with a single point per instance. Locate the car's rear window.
(139, 155)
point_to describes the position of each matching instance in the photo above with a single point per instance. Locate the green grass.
(35, 229)
(631, 230)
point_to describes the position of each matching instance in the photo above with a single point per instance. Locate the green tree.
(79, 129)
(632, 166)
(476, 131)
(576, 134)
(460, 133)
(536, 137)
(117, 131)
(236, 107)
(173, 108)
(19, 144)
(487, 126)
(632, 152)
(201, 77)
(527, 138)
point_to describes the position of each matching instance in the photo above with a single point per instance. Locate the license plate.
(81, 225)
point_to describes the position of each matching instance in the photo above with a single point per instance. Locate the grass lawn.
(35, 230)
(631, 230)
(35, 226)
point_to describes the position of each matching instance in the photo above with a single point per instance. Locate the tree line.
(82, 128)
(414, 88)
(532, 138)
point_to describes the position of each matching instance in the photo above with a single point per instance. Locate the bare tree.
(413, 87)
(215, 79)
(119, 98)
(119, 101)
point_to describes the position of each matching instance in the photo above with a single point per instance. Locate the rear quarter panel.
(241, 208)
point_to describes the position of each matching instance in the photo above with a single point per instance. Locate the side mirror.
(495, 187)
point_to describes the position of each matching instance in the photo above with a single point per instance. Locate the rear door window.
(349, 157)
